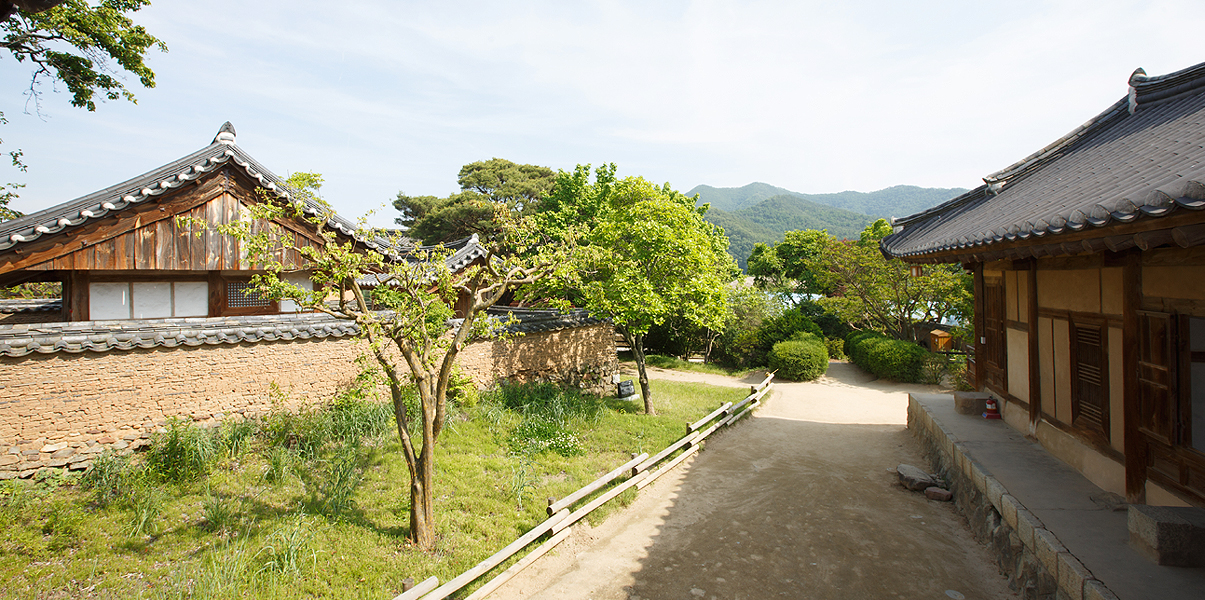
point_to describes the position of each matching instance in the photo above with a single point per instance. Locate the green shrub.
(781, 329)
(886, 357)
(801, 358)
(181, 453)
(835, 347)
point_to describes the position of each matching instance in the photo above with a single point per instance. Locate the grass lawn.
(290, 506)
(677, 364)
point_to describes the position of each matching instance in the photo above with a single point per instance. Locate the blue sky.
(382, 97)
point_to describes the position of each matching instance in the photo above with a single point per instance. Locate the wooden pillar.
(75, 296)
(217, 293)
(1134, 443)
(980, 368)
(1035, 356)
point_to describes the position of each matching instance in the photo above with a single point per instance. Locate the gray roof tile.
(152, 184)
(1142, 158)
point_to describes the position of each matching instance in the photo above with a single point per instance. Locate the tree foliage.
(76, 43)
(484, 186)
(645, 254)
(406, 320)
(858, 285)
(870, 290)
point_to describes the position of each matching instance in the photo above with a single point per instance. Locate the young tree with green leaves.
(645, 253)
(789, 267)
(406, 321)
(872, 290)
(484, 185)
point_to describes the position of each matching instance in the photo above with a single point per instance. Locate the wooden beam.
(1035, 360)
(977, 268)
(1134, 442)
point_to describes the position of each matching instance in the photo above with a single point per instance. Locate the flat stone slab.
(970, 403)
(1167, 535)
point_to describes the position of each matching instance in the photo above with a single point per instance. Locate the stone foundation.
(1037, 565)
(57, 410)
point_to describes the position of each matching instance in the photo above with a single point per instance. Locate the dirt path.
(800, 501)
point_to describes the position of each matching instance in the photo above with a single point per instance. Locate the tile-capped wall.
(57, 410)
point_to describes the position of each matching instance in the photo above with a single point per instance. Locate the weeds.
(280, 464)
(286, 548)
(333, 493)
(218, 511)
(62, 524)
(146, 504)
(109, 477)
(182, 453)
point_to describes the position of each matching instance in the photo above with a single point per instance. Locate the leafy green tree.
(484, 186)
(748, 309)
(790, 266)
(406, 322)
(645, 254)
(869, 290)
(75, 43)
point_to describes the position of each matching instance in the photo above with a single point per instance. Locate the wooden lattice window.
(1089, 376)
(242, 294)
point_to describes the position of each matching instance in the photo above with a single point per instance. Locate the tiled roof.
(22, 305)
(222, 151)
(1142, 158)
(104, 336)
(464, 252)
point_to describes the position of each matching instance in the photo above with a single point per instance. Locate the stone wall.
(59, 409)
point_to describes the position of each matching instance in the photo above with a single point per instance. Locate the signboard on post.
(625, 390)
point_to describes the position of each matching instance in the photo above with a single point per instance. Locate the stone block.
(52, 448)
(1008, 509)
(64, 453)
(6, 475)
(994, 491)
(9, 459)
(970, 403)
(1072, 575)
(1047, 547)
(1167, 535)
(1027, 524)
(1095, 590)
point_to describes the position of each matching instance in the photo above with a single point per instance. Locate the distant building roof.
(114, 199)
(1142, 158)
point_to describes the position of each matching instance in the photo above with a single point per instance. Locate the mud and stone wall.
(59, 409)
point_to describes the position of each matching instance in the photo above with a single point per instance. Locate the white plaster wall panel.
(152, 300)
(108, 301)
(191, 299)
(301, 280)
(1062, 371)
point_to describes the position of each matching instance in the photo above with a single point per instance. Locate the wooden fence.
(640, 474)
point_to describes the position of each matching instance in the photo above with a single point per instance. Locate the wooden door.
(995, 356)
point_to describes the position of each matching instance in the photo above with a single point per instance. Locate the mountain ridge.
(763, 213)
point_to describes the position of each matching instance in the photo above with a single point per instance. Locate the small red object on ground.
(992, 411)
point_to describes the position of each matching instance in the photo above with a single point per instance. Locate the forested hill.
(760, 212)
(895, 201)
(769, 220)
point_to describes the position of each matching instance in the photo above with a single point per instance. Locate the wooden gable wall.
(149, 237)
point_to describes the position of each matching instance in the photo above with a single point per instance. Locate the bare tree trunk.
(637, 343)
(422, 504)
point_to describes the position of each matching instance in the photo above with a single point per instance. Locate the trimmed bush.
(780, 329)
(886, 357)
(801, 358)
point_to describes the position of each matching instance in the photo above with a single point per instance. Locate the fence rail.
(559, 516)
